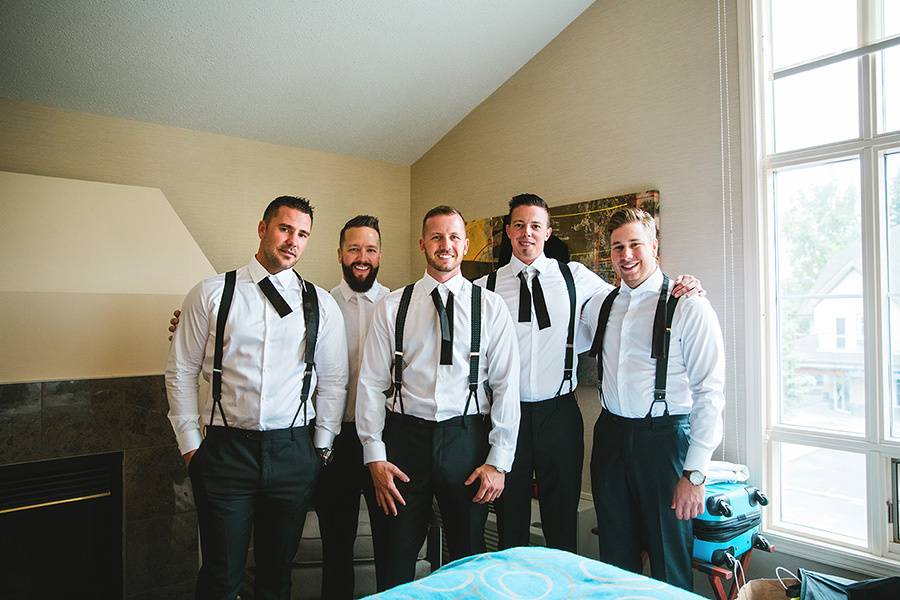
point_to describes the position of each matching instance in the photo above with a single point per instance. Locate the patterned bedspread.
(533, 573)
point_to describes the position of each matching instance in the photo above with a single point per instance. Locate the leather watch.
(695, 477)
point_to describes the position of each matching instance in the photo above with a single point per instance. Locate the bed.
(533, 573)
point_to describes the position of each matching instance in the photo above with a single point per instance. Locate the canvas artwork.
(577, 235)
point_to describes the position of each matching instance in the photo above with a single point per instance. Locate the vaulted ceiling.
(381, 79)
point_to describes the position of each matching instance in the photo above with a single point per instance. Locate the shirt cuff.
(698, 459)
(188, 440)
(322, 438)
(374, 451)
(501, 458)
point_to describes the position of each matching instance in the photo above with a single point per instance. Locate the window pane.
(891, 170)
(820, 296)
(890, 11)
(816, 107)
(889, 84)
(805, 29)
(823, 490)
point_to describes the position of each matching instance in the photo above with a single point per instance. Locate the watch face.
(696, 478)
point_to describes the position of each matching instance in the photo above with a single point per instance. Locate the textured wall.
(625, 99)
(218, 187)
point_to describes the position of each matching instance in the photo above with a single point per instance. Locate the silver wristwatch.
(695, 477)
(326, 454)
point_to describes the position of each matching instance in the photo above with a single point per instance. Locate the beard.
(356, 284)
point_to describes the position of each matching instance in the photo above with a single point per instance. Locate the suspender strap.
(221, 318)
(662, 335)
(597, 345)
(311, 318)
(474, 350)
(396, 389)
(492, 281)
(570, 335)
(659, 328)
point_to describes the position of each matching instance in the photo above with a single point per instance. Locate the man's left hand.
(688, 499)
(492, 482)
(687, 286)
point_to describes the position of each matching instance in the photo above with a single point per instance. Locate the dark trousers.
(337, 505)
(635, 466)
(437, 458)
(550, 446)
(259, 480)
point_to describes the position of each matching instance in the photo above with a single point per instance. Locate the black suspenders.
(311, 318)
(569, 365)
(224, 307)
(396, 389)
(570, 335)
(662, 334)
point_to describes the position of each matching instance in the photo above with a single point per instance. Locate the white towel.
(726, 471)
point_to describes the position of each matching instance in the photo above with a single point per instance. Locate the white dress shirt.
(543, 352)
(357, 308)
(262, 360)
(696, 371)
(438, 392)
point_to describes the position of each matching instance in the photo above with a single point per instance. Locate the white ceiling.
(382, 79)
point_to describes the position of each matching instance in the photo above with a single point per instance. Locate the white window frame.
(882, 557)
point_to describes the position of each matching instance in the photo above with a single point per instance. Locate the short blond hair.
(631, 214)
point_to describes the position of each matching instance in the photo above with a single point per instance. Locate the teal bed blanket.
(532, 573)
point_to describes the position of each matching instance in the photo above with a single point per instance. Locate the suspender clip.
(217, 370)
(474, 353)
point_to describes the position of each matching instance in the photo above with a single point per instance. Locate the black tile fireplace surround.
(62, 419)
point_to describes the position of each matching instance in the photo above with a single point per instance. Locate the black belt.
(458, 421)
(645, 422)
(549, 402)
(252, 434)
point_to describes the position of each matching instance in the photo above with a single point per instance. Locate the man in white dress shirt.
(346, 478)
(551, 432)
(427, 425)
(250, 332)
(662, 409)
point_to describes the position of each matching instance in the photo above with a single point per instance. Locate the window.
(826, 184)
(840, 333)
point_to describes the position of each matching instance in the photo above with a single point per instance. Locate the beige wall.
(217, 186)
(625, 99)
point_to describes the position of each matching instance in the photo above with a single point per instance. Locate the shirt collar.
(539, 264)
(347, 292)
(259, 272)
(454, 284)
(651, 285)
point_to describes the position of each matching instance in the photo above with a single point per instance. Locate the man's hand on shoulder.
(687, 286)
(173, 322)
(492, 482)
(386, 492)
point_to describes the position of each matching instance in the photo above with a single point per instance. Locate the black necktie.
(540, 305)
(278, 303)
(445, 316)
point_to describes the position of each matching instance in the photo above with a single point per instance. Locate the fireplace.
(61, 528)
